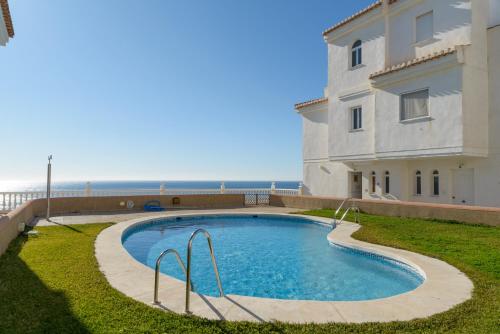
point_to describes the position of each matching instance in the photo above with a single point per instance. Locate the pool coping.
(444, 286)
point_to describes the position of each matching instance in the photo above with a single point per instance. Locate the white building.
(6, 27)
(412, 107)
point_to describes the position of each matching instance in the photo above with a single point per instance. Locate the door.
(463, 187)
(356, 185)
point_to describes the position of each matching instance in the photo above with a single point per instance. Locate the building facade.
(6, 27)
(412, 107)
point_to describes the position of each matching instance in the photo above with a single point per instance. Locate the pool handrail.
(214, 263)
(351, 207)
(157, 270)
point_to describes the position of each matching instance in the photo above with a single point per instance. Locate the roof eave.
(359, 14)
(301, 107)
(353, 17)
(4, 5)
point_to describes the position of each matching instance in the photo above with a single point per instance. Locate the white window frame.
(415, 27)
(352, 110)
(409, 120)
(359, 54)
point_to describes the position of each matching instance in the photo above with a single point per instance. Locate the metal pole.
(49, 171)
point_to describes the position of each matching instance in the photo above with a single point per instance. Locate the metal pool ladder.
(187, 272)
(352, 207)
(157, 269)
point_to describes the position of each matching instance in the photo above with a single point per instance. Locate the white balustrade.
(11, 200)
(88, 190)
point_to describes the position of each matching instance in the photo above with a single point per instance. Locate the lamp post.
(49, 170)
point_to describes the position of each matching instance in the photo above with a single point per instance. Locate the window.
(356, 118)
(418, 183)
(374, 182)
(387, 189)
(424, 28)
(435, 183)
(414, 105)
(356, 54)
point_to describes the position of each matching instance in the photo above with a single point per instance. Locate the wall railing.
(253, 196)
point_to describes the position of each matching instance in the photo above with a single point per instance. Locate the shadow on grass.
(66, 226)
(27, 305)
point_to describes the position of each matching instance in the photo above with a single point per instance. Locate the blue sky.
(161, 89)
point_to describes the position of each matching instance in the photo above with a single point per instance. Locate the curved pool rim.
(443, 288)
(400, 262)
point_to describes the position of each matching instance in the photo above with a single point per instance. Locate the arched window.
(356, 54)
(374, 183)
(418, 183)
(387, 188)
(435, 183)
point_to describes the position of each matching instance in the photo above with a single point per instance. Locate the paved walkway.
(120, 217)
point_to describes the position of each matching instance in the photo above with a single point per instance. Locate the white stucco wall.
(452, 23)
(494, 17)
(439, 134)
(340, 75)
(350, 87)
(462, 133)
(325, 179)
(475, 82)
(488, 170)
(345, 143)
(494, 88)
(4, 36)
(315, 133)
(397, 173)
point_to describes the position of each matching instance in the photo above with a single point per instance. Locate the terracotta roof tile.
(6, 17)
(353, 17)
(413, 62)
(358, 14)
(311, 103)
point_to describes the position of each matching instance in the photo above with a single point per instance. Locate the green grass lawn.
(52, 284)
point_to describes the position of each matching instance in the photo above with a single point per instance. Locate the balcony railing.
(253, 196)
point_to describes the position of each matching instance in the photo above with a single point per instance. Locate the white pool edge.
(444, 286)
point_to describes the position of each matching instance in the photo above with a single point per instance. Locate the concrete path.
(120, 217)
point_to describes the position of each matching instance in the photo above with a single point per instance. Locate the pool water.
(270, 256)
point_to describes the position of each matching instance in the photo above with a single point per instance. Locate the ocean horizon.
(135, 185)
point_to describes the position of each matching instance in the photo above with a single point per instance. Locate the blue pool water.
(270, 256)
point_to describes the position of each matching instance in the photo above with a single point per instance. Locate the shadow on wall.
(31, 307)
(306, 190)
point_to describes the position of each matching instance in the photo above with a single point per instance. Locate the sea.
(135, 185)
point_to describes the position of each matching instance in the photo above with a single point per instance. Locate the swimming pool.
(271, 256)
